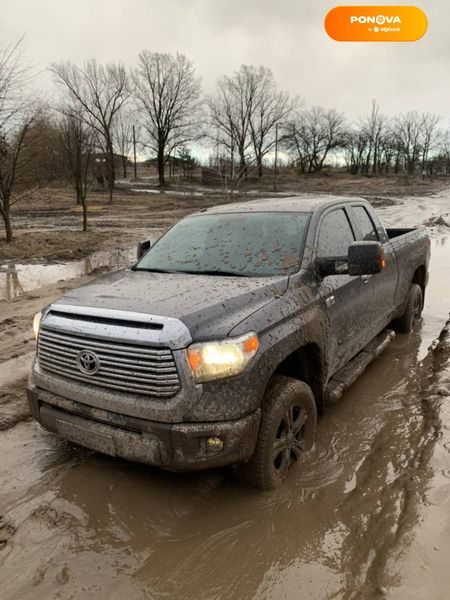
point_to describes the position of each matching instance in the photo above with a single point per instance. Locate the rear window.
(365, 225)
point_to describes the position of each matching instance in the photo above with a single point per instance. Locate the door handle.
(365, 279)
(329, 301)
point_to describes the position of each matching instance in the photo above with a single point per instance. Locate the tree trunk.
(242, 167)
(111, 169)
(8, 226)
(9, 231)
(161, 174)
(85, 223)
(396, 164)
(375, 162)
(260, 167)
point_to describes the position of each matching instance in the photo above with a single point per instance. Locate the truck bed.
(397, 231)
(412, 249)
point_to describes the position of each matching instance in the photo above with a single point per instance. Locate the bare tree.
(270, 108)
(123, 136)
(99, 92)
(368, 143)
(168, 95)
(76, 144)
(356, 150)
(430, 137)
(313, 135)
(230, 110)
(442, 152)
(244, 112)
(407, 131)
(18, 114)
(373, 127)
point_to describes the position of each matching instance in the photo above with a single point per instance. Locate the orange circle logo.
(376, 23)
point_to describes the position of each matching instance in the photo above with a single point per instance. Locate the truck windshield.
(245, 244)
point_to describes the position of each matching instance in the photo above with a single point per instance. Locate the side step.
(350, 372)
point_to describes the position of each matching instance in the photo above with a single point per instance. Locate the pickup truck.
(229, 336)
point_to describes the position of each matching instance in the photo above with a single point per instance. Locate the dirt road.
(366, 515)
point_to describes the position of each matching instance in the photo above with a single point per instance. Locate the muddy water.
(18, 278)
(359, 518)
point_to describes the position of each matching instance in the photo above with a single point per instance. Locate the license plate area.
(97, 440)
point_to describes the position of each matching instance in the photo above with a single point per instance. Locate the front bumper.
(172, 446)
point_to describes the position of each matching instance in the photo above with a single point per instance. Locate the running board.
(350, 372)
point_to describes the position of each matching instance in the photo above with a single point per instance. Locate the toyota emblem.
(88, 362)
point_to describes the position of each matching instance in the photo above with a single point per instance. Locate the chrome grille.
(125, 367)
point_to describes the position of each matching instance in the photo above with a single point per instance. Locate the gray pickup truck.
(227, 338)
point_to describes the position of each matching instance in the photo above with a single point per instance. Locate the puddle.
(18, 278)
(167, 192)
(437, 296)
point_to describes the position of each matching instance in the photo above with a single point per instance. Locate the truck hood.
(210, 306)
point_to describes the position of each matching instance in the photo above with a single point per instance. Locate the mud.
(365, 515)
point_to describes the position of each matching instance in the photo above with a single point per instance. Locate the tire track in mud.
(7, 531)
(16, 338)
(390, 515)
(13, 407)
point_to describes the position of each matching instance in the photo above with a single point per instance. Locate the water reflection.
(12, 287)
(19, 278)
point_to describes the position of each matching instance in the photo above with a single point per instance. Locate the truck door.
(345, 299)
(384, 283)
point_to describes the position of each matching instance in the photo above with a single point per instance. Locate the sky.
(286, 35)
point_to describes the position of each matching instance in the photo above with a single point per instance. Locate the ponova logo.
(379, 19)
(376, 23)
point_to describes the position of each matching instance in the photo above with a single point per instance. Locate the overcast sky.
(285, 35)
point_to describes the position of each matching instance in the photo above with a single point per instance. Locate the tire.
(413, 310)
(288, 430)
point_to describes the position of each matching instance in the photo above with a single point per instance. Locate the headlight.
(214, 360)
(36, 324)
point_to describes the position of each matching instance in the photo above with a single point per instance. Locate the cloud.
(286, 35)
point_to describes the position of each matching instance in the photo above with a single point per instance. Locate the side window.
(335, 235)
(368, 231)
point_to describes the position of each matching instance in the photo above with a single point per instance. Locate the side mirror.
(332, 266)
(365, 258)
(143, 248)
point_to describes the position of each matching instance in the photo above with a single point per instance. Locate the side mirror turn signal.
(365, 258)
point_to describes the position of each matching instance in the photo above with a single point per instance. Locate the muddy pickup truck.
(227, 338)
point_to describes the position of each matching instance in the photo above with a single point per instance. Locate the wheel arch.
(305, 364)
(420, 277)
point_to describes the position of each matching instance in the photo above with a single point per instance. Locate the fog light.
(214, 443)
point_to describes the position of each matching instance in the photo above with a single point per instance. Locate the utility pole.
(134, 152)
(276, 160)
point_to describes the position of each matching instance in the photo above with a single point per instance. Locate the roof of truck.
(289, 204)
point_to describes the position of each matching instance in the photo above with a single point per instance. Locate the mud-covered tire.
(288, 429)
(413, 310)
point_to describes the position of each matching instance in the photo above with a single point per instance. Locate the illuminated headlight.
(36, 324)
(214, 360)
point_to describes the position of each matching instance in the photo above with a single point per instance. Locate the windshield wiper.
(189, 272)
(155, 270)
(213, 272)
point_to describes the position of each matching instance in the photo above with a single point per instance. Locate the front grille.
(125, 367)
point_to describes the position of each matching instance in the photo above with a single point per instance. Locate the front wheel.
(288, 430)
(413, 310)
